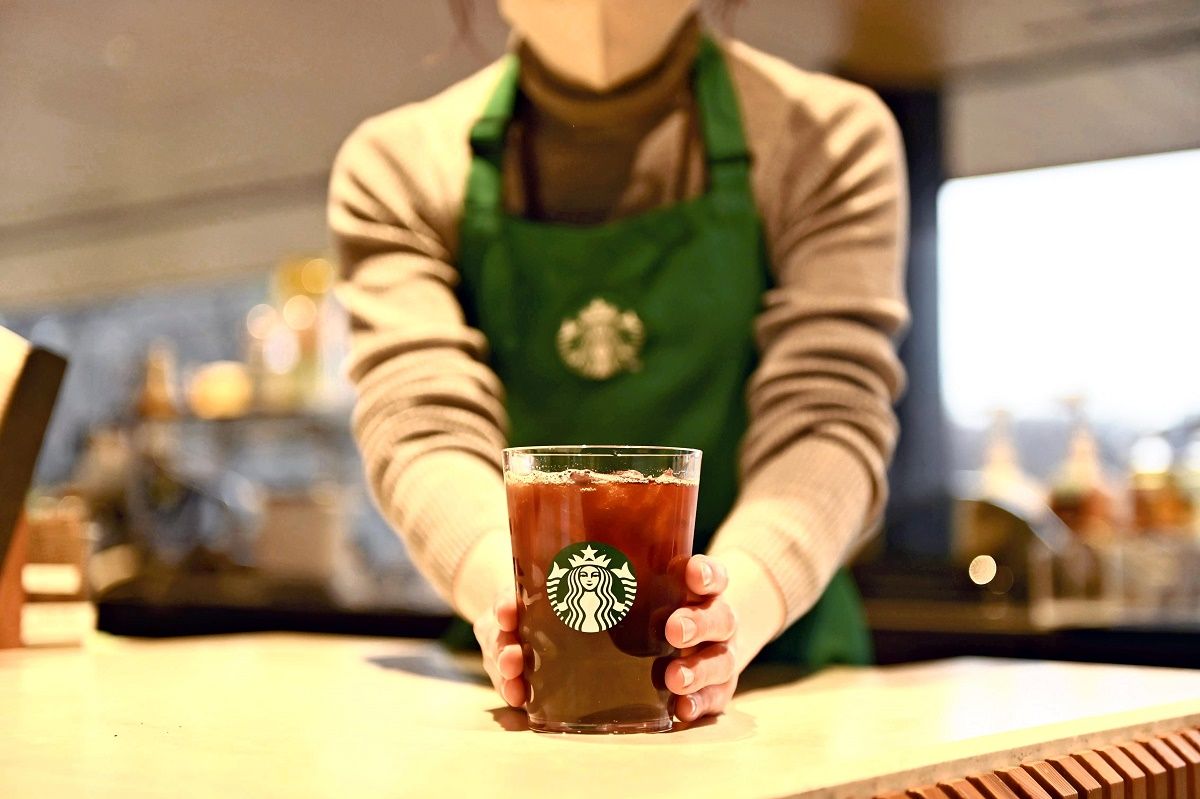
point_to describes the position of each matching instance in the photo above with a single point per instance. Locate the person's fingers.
(710, 621)
(705, 702)
(505, 610)
(486, 634)
(705, 576)
(492, 639)
(711, 665)
(510, 661)
(503, 662)
(513, 692)
(489, 668)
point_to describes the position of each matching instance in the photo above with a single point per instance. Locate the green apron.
(638, 331)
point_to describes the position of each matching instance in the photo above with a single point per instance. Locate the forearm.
(814, 457)
(797, 519)
(485, 572)
(757, 603)
(449, 507)
(429, 419)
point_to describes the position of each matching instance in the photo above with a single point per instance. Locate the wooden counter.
(300, 716)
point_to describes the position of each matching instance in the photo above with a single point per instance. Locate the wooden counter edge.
(1075, 774)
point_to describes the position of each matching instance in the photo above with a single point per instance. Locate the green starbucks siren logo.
(591, 586)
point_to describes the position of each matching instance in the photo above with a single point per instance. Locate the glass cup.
(600, 539)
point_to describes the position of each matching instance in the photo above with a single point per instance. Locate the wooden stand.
(12, 594)
(29, 381)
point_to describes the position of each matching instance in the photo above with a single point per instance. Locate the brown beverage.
(599, 561)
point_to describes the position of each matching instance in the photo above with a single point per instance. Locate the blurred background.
(162, 225)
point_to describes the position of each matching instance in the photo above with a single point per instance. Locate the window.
(1081, 280)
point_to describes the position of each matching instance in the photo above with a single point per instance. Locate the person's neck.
(643, 97)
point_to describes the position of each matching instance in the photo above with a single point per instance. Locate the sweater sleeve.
(822, 430)
(429, 417)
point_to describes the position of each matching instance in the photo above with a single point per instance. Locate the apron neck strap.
(488, 132)
(726, 154)
(720, 117)
(485, 181)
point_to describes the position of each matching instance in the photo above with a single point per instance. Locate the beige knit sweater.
(828, 181)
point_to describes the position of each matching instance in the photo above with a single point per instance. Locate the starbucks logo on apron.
(591, 586)
(601, 341)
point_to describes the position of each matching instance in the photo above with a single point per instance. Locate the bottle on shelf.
(158, 398)
(1080, 495)
(1160, 504)
(1002, 477)
(1189, 483)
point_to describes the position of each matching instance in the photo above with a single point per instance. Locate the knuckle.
(728, 619)
(717, 696)
(718, 666)
(712, 622)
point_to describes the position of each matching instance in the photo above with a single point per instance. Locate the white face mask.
(597, 43)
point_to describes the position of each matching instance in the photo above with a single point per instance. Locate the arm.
(821, 427)
(822, 430)
(429, 419)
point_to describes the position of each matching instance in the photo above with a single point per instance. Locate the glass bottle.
(1079, 494)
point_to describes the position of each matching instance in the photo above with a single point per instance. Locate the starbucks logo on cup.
(591, 586)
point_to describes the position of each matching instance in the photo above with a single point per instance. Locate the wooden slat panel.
(961, 789)
(1157, 784)
(1051, 781)
(1079, 777)
(1112, 782)
(929, 792)
(1162, 767)
(1131, 773)
(1190, 755)
(992, 787)
(1176, 767)
(1023, 784)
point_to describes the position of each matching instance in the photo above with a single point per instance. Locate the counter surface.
(300, 715)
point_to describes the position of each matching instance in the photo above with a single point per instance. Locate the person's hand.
(496, 631)
(705, 674)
